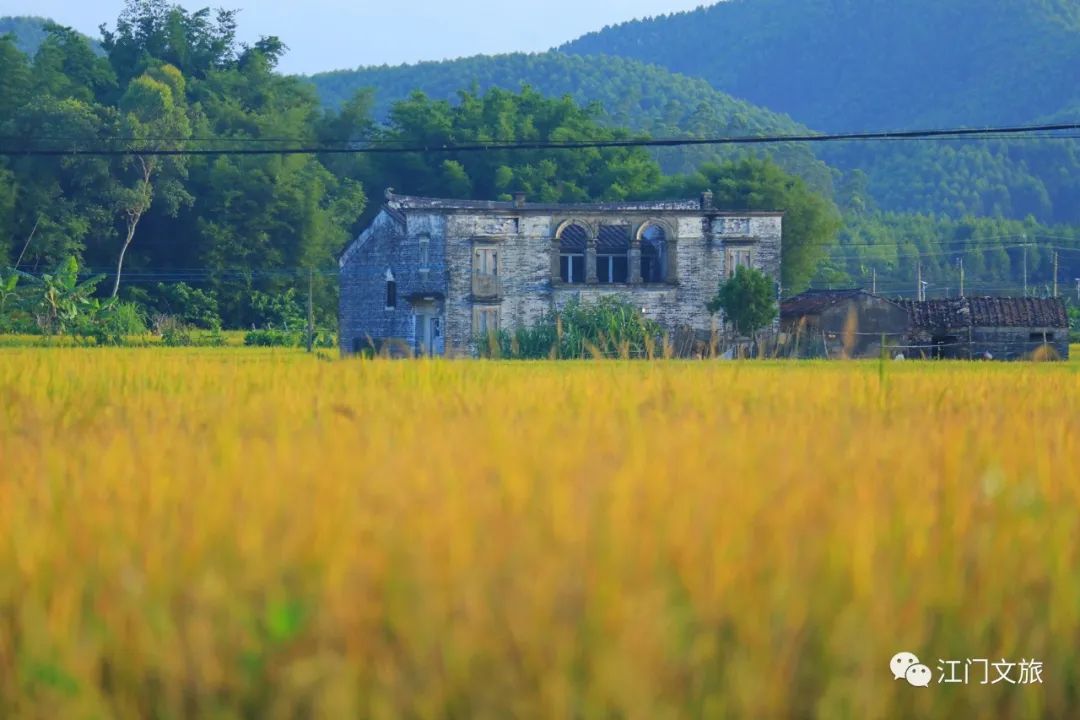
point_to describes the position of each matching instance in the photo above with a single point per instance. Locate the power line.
(389, 149)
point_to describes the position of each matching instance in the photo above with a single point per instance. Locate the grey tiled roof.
(813, 302)
(987, 312)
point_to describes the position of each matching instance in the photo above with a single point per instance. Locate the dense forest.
(239, 232)
(858, 72)
(624, 93)
(847, 65)
(840, 65)
(168, 78)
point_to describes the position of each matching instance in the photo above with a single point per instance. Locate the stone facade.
(456, 268)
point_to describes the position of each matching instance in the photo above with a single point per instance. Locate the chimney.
(706, 200)
(519, 199)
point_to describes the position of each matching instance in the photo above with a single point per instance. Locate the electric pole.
(1055, 273)
(918, 281)
(874, 283)
(310, 313)
(1025, 267)
(961, 262)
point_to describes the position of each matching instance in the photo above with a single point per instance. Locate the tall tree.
(811, 220)
(153, 116)
(150, 32)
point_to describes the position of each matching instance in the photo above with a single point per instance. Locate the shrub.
(609, 327)
(281, 338)
(128, 318)
(281, 310)
(191, 305)
(748, 300)
(271, 338)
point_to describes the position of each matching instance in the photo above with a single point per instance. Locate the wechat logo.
(906, 666)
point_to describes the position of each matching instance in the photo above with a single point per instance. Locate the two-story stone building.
(432, 275)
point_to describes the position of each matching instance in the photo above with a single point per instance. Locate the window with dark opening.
(391, 291)
(612, 251)
(1041, 337)
(653, 254)
(424, 252)
(572, 242)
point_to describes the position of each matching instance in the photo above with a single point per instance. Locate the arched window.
(612, 254)
(572, 242)
(391, 290)
(653, 254)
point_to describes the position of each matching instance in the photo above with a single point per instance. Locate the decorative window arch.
(654, 252)
(573, 238)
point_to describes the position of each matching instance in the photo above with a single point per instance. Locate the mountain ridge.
(841, 65)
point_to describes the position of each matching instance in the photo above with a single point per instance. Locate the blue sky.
(336, 34)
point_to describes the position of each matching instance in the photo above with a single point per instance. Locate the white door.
(428, 332)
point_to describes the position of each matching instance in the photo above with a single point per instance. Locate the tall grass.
(254, 533)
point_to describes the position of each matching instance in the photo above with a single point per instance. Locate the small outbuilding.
(858, 324)
(989, 328)
(841, 324)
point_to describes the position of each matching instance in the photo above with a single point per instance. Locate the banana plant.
(65, 302)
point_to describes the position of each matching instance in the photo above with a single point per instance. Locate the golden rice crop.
(241, 533)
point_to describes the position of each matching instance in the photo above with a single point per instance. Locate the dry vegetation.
(242, 533)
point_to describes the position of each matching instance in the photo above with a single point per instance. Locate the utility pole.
(874, 285)
(918, 281)
(310, 313)
(1055, 273)
(961, 261)
(1025, 268)
(1077, 289)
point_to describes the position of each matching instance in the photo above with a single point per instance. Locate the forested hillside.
(853, 64)
(30, 32)
(838, 65)
(624, 93)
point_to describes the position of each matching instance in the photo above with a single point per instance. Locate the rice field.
(241, 533)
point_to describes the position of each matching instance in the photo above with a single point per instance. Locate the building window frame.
(424, 252)
(485, 320)
(736, 257)
(391, 290)
(573, 240)
(655, 247)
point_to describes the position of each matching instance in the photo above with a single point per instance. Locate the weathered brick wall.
(388, 244)
(523, 240)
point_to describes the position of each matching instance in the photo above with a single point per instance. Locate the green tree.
(748, 300)
(811, 220)
(60, 204)
(66, 66)
(502, 116)
(153, 116)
